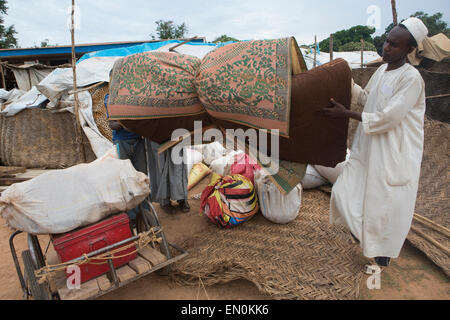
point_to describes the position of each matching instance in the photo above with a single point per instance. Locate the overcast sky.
(133, 20)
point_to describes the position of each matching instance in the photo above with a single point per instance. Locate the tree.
(168, 30)
(7, 38)
(356, 46)
(45, 43)
(224, 38)
(354, 34)
(434, 24)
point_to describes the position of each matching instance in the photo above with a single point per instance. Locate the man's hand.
(336, 110)
(115, 125)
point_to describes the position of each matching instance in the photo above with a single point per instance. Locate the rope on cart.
(145, 238)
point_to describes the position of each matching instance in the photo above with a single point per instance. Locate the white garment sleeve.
(402, 101)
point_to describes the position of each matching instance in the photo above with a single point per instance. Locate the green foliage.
(45, 43)
(168, 30)
(354, 34)
(224, 38)
(356, 46)
(434, 24)
(7, 34)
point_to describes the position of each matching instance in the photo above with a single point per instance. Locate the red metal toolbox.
(74, 244)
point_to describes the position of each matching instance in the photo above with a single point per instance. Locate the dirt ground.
(411, 276)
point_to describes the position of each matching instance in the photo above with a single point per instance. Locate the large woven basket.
(39, 138)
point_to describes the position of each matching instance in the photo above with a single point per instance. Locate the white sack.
(312, 178)
(223, 164)
(331, 174)
(275, 206)
(191, 157)
(61, 200)
(210, 151)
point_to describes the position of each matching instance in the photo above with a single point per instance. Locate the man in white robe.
(375, 195)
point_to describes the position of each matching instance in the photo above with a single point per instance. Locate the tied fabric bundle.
(229, 201)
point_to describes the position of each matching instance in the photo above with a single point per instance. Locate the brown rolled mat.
(160, 130)
(314, 138)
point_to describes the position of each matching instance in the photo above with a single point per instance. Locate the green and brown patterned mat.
(247, 82)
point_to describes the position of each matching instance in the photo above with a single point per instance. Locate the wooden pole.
(79, 136)
(394, 12)
(315, 50)
(331, 47)
(3, 77)
(362, 53)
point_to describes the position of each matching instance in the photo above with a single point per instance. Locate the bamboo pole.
(394, 12)
(74, 71)
(3, 77)
(431, 224)
(362, 53)
(331, 47)
(315, 50)
(431, 240)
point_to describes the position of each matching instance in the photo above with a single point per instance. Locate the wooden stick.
(315, 49)
(438, 96)
(362, 53)
(394, 12)
(95, 85)
(331, 47)
(432, 224)
(3, 77)
(180, 44)
(431, 240)
(74, 70)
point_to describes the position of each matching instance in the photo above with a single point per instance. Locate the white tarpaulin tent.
(352, 57)
(91, 68)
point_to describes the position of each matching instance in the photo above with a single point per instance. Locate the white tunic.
(376, 193)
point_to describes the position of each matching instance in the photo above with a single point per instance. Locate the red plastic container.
(74, 244)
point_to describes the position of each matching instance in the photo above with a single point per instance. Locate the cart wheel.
(147, 219)
(37, 291)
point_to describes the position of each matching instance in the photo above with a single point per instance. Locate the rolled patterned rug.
(260, 84)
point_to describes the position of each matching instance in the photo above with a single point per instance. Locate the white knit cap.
(417, 28)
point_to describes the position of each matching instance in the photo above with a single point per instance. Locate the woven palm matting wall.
(40, 138)
(305, 259)
(433, 195)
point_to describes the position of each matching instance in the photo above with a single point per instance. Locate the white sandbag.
(275, 206)
(331, 174)
(212, 151)
(312, 178)
(223, 164)
(61, 200)
(191, 157)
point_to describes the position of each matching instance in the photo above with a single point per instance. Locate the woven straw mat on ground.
(305, 259)
(99, 111)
